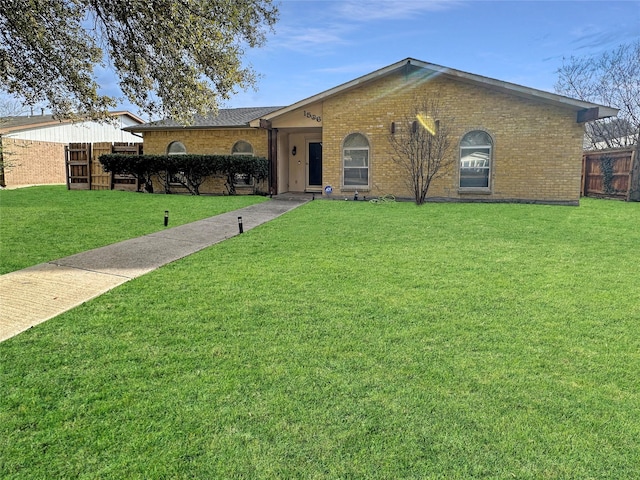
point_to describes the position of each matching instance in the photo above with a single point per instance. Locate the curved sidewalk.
(36, 294)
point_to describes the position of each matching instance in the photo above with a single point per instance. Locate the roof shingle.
(226, 117)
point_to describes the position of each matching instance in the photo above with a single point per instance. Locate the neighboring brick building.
(511, 143)
(33, 146)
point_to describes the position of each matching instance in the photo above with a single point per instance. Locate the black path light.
(240, 225)
(166, 218)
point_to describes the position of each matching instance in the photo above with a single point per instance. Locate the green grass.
(40, 224)
(349, 340)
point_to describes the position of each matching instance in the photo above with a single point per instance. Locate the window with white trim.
(475, 160)
(355, 160)
(176, 148)
(242, 148)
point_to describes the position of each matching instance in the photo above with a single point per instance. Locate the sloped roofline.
(28, 122)
(603, 111)
(226, 118)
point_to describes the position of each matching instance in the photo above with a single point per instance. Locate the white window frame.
(169, 152)
(346, 186)
(240, 179)
(173, 179)
(479, 164)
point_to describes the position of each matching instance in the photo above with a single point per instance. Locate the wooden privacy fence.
(85, 172)
(613, 173)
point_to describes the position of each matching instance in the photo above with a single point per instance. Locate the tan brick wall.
(536, 153)
(33, 162)
(207, 142)
(537, 147)
(203, 141)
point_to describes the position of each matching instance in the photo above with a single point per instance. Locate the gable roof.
(251, 116)
(226, 118)
(28, 122)
(423, 70)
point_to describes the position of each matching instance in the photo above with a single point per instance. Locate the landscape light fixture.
(240, 229)
(166, 218)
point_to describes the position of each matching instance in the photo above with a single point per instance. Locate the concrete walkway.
(36, 294)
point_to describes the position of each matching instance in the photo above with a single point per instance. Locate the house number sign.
(312, 116)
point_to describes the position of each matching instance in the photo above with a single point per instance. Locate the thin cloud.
(593, 37)
(366, 11)
(341, 19)
(311, 39)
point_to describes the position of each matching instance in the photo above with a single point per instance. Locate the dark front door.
(315, 164)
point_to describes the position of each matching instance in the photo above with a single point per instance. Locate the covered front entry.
(299, 160)
(298, 155)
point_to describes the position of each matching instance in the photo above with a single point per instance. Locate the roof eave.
(512, 88)
(127, 114)
(165, 128)
(340, 88)
(520, 90)
(53, 122)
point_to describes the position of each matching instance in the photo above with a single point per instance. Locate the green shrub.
(190, 170)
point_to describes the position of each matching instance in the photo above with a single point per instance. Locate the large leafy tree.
(173, 58)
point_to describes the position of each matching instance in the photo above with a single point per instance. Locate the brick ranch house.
(33, 145)
(511, 143)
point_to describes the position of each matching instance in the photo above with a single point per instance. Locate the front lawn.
(40, 224)
(349, 340)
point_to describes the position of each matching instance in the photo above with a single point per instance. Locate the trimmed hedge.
(190, 170)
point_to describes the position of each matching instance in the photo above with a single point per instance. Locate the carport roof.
(28, 122)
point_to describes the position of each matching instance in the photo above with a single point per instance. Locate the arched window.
(176, 148)
(242, 148)
(475, 159)
(355, 160)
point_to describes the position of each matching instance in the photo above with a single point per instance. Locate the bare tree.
(6, 162)
(8, 108)
(611, 78)
(421, 146)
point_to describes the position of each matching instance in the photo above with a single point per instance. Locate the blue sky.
(318, 45)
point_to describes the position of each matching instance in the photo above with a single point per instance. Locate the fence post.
(89, 145)
(583, 180)
(633, 192)
(66, 165)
